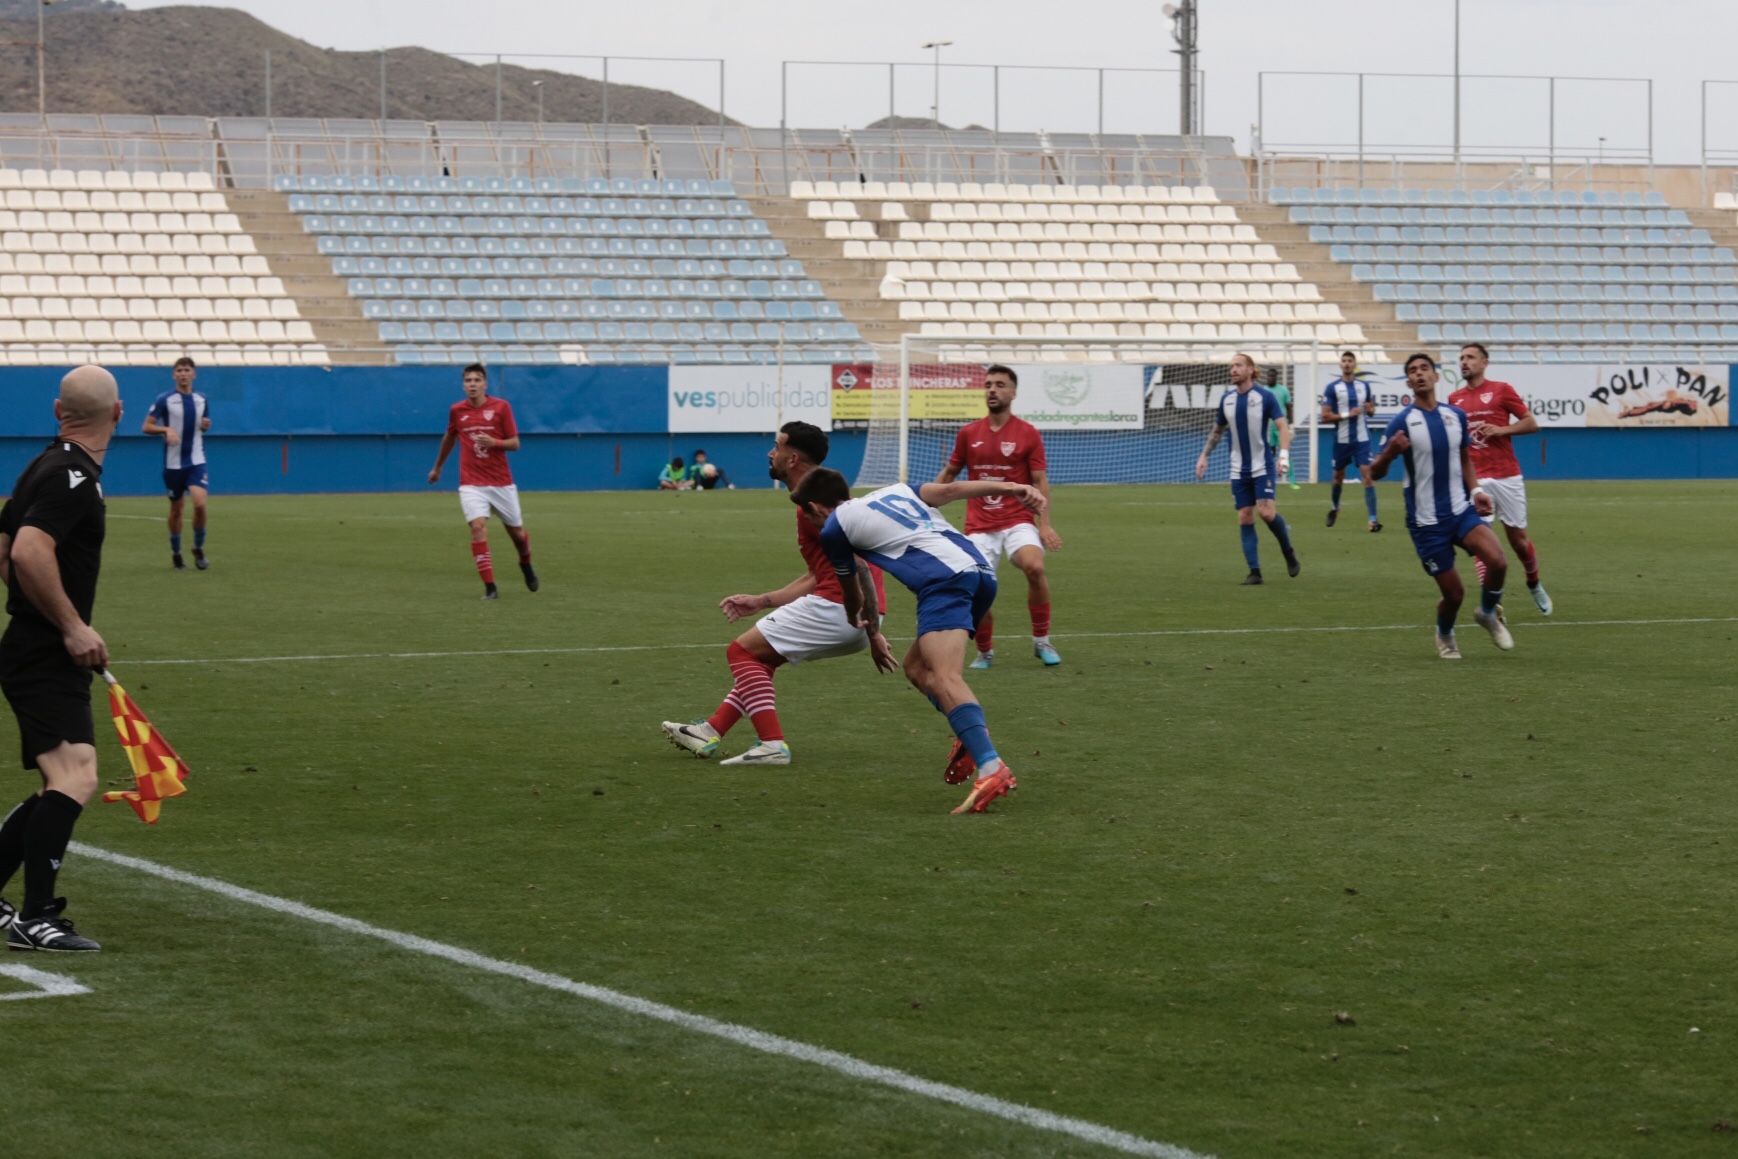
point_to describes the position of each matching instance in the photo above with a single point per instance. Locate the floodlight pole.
(935, 109)
(1185, 32)
(1457, 83)
(42, 59)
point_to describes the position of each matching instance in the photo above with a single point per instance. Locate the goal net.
(1110, 412)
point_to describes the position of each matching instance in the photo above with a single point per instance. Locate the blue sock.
(1251, 552)
(967, 722)
(1338, 487)
(198, 538)
(1445, 622)
(1370, 502)
(1489, 598)
(1281, 532)
(175, 544)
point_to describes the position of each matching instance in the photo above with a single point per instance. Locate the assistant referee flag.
(158, 770)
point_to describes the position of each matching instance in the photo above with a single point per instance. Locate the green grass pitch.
(1266, 889)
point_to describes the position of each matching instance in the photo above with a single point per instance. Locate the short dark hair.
(823, 485)
(998, 368)
(184, 361)
(1416, 357)
(699, 453)
(676, 461)
(1478, 346)
(807, 439)
(1348, 354)
(476, 368)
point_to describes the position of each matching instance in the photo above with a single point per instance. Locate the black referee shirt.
(59, 493)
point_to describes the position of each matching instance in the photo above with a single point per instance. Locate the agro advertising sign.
(705, 399)
(1053, 396)
(1634, 395)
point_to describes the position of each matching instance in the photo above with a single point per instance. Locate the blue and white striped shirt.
(183, 414)
(1348, 398)
(1247, 415)
(1436, 489)
(898, 532)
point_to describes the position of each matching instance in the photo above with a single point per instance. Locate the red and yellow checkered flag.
(158, 770)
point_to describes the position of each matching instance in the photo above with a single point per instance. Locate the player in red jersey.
(1005, 449)
(808, 622)
(484, 429)
(1495, 413)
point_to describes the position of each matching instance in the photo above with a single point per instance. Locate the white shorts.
(995, 546)
(811, 629)
(477, 502)
(1510, 497)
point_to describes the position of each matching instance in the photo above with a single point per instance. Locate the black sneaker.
(1375, 527)
(7, 914)
(50, 933)
(490, 592)
(180, 564)
(1333, 515)
(199, 560)
(1253, 578)
(530, 574)
(1292, 566)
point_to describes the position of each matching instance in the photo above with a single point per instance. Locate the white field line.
(1157, 632)
(47, 985)
(742, 1036)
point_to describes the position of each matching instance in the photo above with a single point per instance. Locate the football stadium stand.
(552, 269)
(137, 268)
(978, 262)
(1550, 275)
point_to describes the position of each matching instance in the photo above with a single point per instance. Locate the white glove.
(1284, 461)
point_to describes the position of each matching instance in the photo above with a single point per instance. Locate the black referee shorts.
(48, 693)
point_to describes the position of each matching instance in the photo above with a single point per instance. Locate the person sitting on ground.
(707, 475)
(674, 477)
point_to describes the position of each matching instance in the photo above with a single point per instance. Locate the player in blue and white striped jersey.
(182, 416)
(1245, 411)
(899, 530)
(1348, 404)
(1444, 503)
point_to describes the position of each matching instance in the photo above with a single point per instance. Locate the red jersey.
(826, 579)
(1496, 403)
(479, 467)
(1009, 455)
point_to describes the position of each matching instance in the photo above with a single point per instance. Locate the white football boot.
(772, 752)
(699, 738)
(1493, 623)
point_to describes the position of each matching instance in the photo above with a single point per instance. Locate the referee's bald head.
(88, 395)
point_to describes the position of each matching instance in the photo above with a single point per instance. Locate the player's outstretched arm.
(941, 494)
(737, 606)
(949, 472)
(434, 474)
(1391, 450)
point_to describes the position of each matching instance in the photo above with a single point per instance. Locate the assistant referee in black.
(51, 545)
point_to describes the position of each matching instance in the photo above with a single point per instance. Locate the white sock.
(990, 769)
(1040, 639)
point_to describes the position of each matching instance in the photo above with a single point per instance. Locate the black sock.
(12, 837)
(45, 842)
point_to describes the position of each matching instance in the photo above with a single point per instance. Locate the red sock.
(1530, 562)
(986, 633)
(480, 553)
(1040, 619)
(729, 712)
(523, 543)
(754, 691)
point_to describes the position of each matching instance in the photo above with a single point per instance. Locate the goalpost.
(1112, 410)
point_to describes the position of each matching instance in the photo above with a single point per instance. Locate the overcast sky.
(1676, 43)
